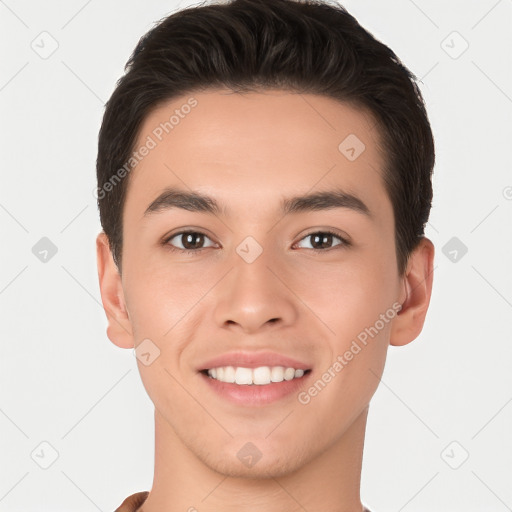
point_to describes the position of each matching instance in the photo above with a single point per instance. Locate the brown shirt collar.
(135, 501)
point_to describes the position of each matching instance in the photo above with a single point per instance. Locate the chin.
(253, 460)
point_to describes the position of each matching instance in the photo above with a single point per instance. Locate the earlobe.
(417, 282)
(119, 329)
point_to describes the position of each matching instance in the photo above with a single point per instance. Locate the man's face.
(255, 282)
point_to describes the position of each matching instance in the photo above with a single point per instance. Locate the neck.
(328, 482)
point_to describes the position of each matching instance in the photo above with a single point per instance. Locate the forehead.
(246, 149)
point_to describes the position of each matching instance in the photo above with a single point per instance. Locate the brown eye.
(192, 241)
(321, 240)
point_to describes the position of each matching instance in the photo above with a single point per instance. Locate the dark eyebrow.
(191, 201)
(324, 201)
(197, 202)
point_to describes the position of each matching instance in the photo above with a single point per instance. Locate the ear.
(119, 329)
(415, 299)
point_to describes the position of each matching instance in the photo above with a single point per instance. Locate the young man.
(264, 179)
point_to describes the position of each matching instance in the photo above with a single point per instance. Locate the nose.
(255, 296)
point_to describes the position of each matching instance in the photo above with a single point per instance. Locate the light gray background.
(443, 397)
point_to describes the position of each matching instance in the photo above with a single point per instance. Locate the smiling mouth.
(259, 376)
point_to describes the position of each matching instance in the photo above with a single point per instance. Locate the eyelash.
(165, 242)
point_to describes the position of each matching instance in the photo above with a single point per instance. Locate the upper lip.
(253, 360)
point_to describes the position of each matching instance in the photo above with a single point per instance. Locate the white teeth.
(260, 376)
(229, 374)
(289, 374)
(276, 374)
(243, 376)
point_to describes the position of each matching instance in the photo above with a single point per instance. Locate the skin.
(248, 151)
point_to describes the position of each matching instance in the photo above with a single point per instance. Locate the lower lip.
(254, 394)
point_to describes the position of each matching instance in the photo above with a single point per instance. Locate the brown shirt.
(134, 502)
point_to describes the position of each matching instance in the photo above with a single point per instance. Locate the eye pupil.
(189, 239)
(321, 239)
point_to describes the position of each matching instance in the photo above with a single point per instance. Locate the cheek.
(348, 297)
(160, 295)
(161, 306)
